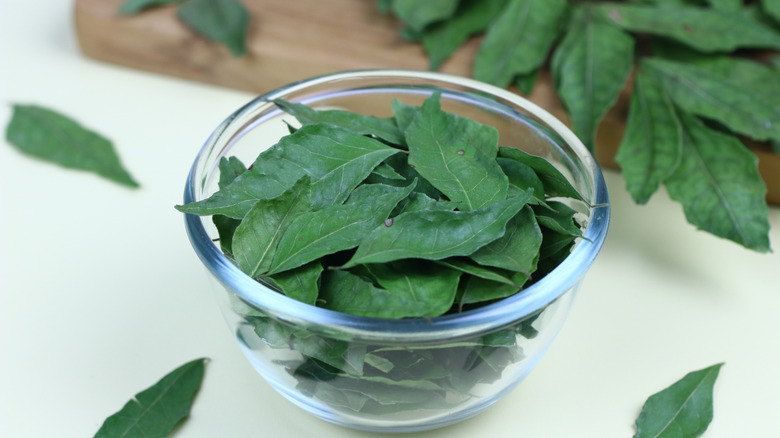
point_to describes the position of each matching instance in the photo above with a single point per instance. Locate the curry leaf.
(222, 21)
(316, 234)
(456, 155)
(710, 91)
(417, 14)
(518, 249)
(772, 7)
(719, 186)
(255, 239)
(705, 29)
(51, 136)
(469, 267)
(477, 290)
(155, 411)
(684, 409)
(435, 235)
(428, 290)
(553, 181)
(443, 38)
(651, 147)
(336, 159)
(302, 283)
(590, 67)
(384, 128)
(518, 42)
(345, 292)
(135, 6)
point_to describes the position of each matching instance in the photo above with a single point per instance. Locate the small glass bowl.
(397, 375)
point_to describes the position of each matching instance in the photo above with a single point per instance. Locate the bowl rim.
(479, 320)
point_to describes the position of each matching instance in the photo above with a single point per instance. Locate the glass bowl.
(409, 374)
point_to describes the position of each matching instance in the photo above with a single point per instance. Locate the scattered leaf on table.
(222, 21)
(651, 147)
(590, 66)
(155, 411)
(135, 6)
(442, 39)
(718, 184)
(710, 90)
(436, 235)
(456, 155)
(417, 14)
(518, 42)
(384, 128)
(682, 410)
(705, 29)
(56, 138)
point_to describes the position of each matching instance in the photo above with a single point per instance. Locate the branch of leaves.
(415, 215)
(691, 100)
(222, 21)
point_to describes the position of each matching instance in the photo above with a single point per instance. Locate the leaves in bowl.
(345, 211)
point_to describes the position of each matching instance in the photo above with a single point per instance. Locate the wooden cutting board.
(290, 40)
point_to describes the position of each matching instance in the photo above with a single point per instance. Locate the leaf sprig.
(415, 215)
(697, 88)
(222, 21)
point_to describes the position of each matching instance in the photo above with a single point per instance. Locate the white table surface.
(101, 294)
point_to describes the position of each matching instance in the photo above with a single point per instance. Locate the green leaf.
(651, 147)
(256, 238)
(336, 159)
(560, 218)
(518, 249)
(772, 8)
(58, 139)
(467, 266)
(384, 128)
(345, 292)
(456, 155)
(590, 67)
(719, 186)
(427, 290)
(135, 6)
(404, 114)
(681, 410)
(553, 181)
(705, 29)
(442, 39)
(316, 234)
(155, 411)
(229, 169)
(726, 5)
(477, 290)
(525, 82)
(436, 235)
(417, 14)
(302, 283)
(222, 21)
(518, 42)
(724, 91)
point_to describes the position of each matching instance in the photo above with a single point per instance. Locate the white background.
(101, 294)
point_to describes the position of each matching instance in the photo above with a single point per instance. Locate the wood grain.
(291, 40)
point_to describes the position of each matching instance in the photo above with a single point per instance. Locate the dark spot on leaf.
(461, 152)
(688, 28)
(388, 222)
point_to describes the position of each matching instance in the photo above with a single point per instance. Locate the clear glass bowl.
(397, 375)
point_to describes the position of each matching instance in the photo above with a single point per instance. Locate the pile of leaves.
(702, 82)
(414, 215)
